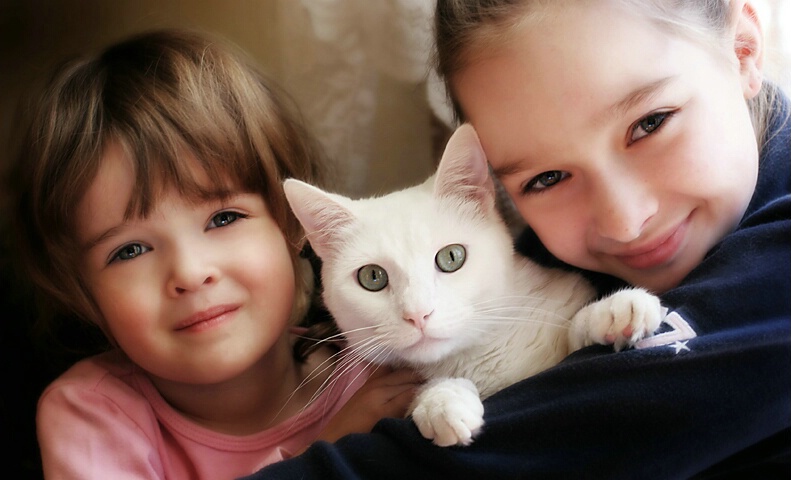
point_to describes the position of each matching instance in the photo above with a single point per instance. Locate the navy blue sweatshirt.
(710, 397)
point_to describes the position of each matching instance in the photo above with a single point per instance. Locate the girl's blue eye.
(545, 180)
(224, 219)
(648, 125)
(128, 252)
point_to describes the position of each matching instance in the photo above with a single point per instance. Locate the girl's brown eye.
(550, 178)
(545, 180)
(647, 125)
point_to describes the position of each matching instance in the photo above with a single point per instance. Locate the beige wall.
(36, 33)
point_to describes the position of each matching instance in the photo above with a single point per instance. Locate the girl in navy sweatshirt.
(641, 144)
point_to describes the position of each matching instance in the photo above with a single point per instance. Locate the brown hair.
(160, 95)
(465, 29)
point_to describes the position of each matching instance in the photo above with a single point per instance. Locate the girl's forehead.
(106, 199)
(549, 62)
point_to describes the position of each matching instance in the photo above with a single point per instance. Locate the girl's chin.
(656, 281)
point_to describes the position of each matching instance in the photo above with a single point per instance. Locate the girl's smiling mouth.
(207, 318)
(658, 252)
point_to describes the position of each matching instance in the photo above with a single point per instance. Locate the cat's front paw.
(621, 320)
(448, 411)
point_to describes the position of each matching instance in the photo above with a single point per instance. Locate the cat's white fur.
(498, 319)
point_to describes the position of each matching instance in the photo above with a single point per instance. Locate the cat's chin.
(427, 351)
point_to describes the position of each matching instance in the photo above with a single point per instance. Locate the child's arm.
(386, 393)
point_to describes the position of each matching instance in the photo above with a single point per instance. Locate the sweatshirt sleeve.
(85, 432)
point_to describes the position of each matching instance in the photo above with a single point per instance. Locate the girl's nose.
(189, 272)
(621, 209)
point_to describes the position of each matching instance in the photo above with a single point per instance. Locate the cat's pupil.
(372, 277)
(451, 258)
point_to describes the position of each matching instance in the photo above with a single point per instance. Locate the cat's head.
(406, 274)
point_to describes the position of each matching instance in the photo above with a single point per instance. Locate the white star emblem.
(679, 345)
(677, 337)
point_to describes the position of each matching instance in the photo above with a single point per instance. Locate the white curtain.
(342, 59)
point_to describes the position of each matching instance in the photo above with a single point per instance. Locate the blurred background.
(358, 69)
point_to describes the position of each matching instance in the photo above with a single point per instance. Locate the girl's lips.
(656, 253)
(207, 318)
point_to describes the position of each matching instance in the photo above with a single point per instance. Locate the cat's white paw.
(621, 320)
(448, 411)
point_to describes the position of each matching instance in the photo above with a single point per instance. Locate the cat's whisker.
(519, 319)
(336, 338)
(342, 364)
(372, 350)
(350, 362)
(509, 299)
(315, 373)
(362, 329)
(521, 313)
(341, 361)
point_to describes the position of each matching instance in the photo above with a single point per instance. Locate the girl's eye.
(647, 125)
(451, 258)
(128, 252)
(223, 219)
(372, 277)
(545, 180)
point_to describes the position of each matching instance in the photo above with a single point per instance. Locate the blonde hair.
(466, 29)
(160, 95)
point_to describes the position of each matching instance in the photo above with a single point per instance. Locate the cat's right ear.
(463, 170)
(321, 216)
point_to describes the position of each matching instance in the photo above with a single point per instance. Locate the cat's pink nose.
(419, 320)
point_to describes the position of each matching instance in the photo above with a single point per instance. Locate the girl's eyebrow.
(508, 168)
(100, 238)
(638, 96)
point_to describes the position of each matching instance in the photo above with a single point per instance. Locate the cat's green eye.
(372, 277)
(451, 258)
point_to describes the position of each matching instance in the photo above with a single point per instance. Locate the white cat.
(428, 277)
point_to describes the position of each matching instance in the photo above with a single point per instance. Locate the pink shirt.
(103, 419)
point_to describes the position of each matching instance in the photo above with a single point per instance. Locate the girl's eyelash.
(658, 119)
(553, 176)
(130, 250)
(230, 216)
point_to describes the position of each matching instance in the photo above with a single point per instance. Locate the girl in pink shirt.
(148, 202)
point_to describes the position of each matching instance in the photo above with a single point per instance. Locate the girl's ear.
(748, 44)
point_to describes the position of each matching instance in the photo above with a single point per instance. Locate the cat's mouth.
(426, 349)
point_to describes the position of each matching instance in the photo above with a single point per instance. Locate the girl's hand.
(386, 393)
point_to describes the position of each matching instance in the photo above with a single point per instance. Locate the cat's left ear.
(463, 170)
(320, 213)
